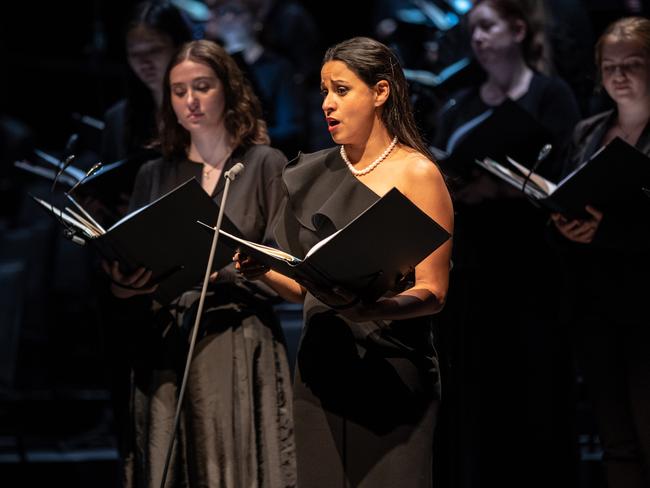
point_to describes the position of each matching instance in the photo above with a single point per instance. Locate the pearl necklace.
(373, 165)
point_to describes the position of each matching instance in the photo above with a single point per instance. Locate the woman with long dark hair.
(236, 425)
(367, 376)
(502, 325)
(153, 31)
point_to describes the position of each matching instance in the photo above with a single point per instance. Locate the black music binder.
(506, 129)
(369, 256)
(616, 173)
(161, 236)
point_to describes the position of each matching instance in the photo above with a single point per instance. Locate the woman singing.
(367, 377)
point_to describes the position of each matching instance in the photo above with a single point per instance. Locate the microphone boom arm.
(543, 154)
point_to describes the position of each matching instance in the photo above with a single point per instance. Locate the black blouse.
(627, 226)
(253, 198)
(548, 99)
(606, 273)
(253, 203)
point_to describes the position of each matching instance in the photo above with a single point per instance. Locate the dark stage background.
(62, 61)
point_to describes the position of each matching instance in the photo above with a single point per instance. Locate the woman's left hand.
(335, 297)
(360, 312)
(382, 309)
(346, 303)
(581, 231)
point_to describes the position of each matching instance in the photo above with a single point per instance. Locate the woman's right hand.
(249, 267)
(334, 297)
(127, 286)
(578, 230)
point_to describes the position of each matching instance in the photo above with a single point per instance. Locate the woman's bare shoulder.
(418, 170)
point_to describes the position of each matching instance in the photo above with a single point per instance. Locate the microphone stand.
(70, 146)
(69, 232)
(543, 154)
(230, 175)
(64, 164)
(96, 167)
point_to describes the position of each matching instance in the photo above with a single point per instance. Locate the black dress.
(549, 100)
(236, 425)
(607, 297)
(498, 326)
(365, 394)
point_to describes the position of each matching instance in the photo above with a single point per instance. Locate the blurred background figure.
(16, 141)
(606, 307)
(501, 323)
(430, 38)
(153, 30)
(233, 24)
(151, 33)
(290, 29)
(571, 38)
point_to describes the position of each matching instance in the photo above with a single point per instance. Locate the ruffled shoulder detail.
(320, 188)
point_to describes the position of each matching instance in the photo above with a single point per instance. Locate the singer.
(236, 424)
(607, 264)
(503, 268)
(367, 377)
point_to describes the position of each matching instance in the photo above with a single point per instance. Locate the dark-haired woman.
(503, 321)
(367, 377)
(236, 424)
(154, 30)
(151, 33)
(508, 43)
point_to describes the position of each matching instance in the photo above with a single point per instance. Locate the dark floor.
(65, 435)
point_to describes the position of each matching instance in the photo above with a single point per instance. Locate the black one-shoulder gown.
(365, 394)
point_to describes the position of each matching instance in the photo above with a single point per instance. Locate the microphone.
(70, 146)
(95, 167)
(69, 232)
(64, 164)
(543, 154)
(233, 172)
(229, 175)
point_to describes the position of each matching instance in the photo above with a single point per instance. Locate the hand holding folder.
(369, 256)
(617, 173)
(162, 237)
